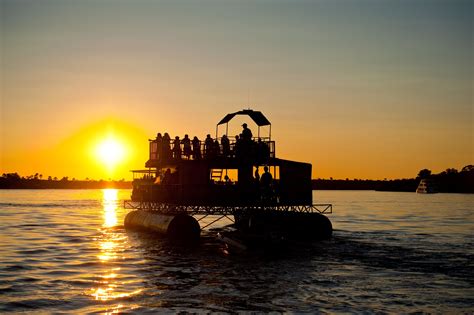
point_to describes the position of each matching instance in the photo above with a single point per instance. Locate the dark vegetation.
(15, 181)
(449, 181)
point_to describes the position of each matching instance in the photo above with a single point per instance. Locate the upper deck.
(251, 149)
(255, 152)
(191, 171)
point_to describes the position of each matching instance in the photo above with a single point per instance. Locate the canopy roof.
(256, 116)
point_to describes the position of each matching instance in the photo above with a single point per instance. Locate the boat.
(218, 178)
(427, 186)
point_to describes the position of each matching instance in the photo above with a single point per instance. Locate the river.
(66, 251)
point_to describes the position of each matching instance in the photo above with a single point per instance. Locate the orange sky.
(359, 89)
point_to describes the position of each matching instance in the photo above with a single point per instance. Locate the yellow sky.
(104, 149)
(359, 89)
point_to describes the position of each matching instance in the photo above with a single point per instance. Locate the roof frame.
(256, 116)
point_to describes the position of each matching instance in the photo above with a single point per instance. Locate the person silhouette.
(208, 144)
(238, 147)
(265, 183)
(196, 148)
(216, 150)
(186, 146)
(166, 149)
(257, 181)
(246, 133)
(176, 148)
(159, 145)
(225, 146)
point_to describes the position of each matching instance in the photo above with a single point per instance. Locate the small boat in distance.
(427, 186)
(221, 178)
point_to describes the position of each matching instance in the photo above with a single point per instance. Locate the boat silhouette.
(181, 184)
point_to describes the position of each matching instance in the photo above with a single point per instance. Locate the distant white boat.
(427, 186)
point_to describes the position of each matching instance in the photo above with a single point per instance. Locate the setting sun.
(110, 152)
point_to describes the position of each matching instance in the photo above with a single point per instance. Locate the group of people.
(243, 147)
(167, 149)
(264, 183)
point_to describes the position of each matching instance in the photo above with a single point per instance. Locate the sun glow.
(110, 152)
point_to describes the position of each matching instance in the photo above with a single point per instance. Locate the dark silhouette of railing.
(266, 148)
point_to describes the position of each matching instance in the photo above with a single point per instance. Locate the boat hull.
(174, 226)
(285, 225)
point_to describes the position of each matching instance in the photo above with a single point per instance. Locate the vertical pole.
(259, 131)
(227, 129)
(270, 134)
(217, 129)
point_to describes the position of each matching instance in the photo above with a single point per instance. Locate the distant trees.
(450, 181)
(451, 171)
(467, 168)
(35, 181)
(11, 176)
(424, 173)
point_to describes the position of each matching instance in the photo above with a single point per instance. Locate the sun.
(110, 152)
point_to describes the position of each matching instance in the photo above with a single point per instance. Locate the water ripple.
(67, 252)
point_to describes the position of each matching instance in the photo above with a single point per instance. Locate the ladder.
(216, 174)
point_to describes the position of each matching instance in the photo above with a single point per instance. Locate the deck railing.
(269, 146)
(169, 208)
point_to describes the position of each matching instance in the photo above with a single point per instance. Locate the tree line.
(450, 181)
(38, 181)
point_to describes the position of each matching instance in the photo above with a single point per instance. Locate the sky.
(360, 89)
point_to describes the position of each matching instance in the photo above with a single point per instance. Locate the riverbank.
(462, 182)
(459, 182)
(63, 184)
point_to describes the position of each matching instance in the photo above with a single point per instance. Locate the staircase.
(216, 174)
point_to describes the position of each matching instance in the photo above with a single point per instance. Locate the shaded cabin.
(225, 177)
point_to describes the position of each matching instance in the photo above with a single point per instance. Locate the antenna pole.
(248, 97)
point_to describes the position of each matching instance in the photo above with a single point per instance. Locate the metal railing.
(204, 151)
(169, 208)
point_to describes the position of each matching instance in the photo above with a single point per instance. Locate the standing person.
(166, 147)
(247, 143)
(186, 146)
(237, 147)
(196, 148)
(208, 144)
(216, 150)
(257, 175)
(225, 146)
(159, 145)
(177, 148)
(246, 133)
(257, 182)
(265, 183)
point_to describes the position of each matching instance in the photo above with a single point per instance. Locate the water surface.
(67, 251)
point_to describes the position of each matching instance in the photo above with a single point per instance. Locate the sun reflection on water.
(110, 202)
(112, 244)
